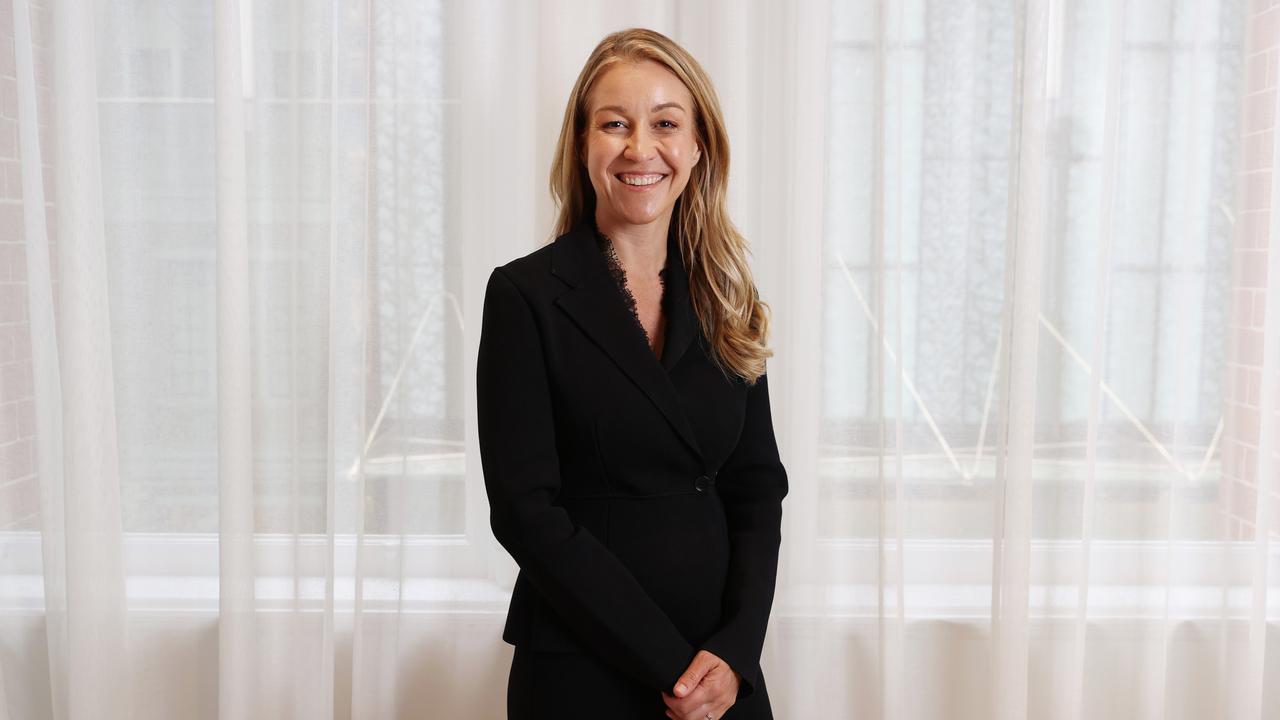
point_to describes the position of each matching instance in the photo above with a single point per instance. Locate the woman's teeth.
(640, 179)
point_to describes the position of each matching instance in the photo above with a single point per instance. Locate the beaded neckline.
(619, 275)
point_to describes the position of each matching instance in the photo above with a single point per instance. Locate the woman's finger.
(695, 713)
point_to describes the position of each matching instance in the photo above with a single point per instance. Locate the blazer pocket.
(600, 466)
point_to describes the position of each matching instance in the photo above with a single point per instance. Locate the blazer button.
(702, 483)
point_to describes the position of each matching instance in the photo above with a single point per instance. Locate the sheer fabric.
(1024, 268)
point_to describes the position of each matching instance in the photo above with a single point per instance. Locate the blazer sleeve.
(751, 483)
(584, 582)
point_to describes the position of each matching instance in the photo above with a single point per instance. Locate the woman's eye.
(609, 125)
(667, 124)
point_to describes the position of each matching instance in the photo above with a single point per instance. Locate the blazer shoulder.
(531, 273)
(534, 273)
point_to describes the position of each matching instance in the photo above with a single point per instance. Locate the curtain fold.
(1073, 688)
(85, 584)
(887, 252)
(1024, 266)
(1038, 30)
(46, 387)
(237, 636)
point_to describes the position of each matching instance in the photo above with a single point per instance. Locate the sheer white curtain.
(1043, 407)
(1027, 334)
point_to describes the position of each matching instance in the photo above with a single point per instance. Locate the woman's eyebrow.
(623, 111)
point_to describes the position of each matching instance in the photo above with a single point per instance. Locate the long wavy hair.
(723, 294)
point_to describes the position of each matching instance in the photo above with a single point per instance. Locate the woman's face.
(640, 143)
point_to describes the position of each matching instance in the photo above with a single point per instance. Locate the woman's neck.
(642, 249)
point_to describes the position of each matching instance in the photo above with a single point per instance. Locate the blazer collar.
(594, 303)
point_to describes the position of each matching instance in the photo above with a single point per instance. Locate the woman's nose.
(639, 146)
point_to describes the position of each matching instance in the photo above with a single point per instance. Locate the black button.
(702, 483)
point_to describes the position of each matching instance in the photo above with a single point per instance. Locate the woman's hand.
(708, 687)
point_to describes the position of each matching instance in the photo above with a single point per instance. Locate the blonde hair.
(724, 297)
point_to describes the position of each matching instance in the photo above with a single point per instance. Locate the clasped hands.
(708, 687)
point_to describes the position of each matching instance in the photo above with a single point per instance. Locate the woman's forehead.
(639, 87)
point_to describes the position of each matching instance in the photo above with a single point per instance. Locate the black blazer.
(641, 498)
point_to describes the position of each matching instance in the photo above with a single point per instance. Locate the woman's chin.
(642, 216)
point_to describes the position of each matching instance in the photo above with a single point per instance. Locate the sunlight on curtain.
(1025, 380)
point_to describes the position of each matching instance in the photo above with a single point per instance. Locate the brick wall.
(1248, 297)
(19, 490)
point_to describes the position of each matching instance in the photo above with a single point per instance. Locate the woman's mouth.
(640, 181)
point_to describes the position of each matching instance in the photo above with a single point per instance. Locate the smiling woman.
(637, 484)
(640, 147)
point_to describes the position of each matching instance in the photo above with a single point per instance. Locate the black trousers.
(573, 686)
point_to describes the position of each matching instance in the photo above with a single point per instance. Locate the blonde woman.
(624, 421)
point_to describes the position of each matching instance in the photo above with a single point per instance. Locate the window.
(921, 115)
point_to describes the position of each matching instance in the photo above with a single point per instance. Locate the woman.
(624, 421)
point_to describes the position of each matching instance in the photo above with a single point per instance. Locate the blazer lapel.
(594, 304)
(682, 323)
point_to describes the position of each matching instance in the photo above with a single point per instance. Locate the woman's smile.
(641, 182)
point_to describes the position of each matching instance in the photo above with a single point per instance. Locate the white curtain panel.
(1027, 338)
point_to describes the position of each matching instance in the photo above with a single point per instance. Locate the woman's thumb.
(701, 665)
